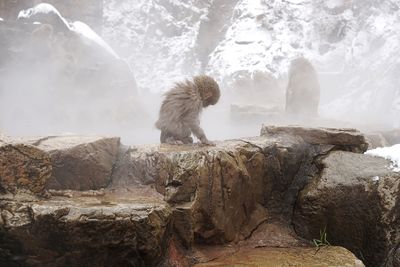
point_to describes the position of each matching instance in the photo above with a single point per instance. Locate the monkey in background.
(303, 89)
(180, 110)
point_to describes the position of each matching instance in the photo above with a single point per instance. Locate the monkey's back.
(303, 90)
(181, 105)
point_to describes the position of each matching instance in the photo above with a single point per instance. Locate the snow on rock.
(46, 13)
(42, 8)
(1, 19)
(157, 36)
(353, 45)
(39, 11)
(263, 35)
(84, 30)
(392, 153)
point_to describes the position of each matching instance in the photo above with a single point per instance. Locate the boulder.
(121, 228)
(225, 192)
(23, 167)
(356, 198)
(341, 139)
(78, 162)
(81, 163)
(242, 192)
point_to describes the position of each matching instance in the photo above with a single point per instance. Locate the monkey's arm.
(199, 133)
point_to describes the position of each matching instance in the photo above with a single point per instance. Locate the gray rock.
(121, 228)
(357, 198)
(78, 162)
(343, 139)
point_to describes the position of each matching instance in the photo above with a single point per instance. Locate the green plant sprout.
(322, 241)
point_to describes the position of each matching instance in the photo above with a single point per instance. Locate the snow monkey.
(303, 91)
(180, 110)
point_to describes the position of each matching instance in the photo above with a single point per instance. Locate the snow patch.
(391, 153)
(42, 8)
(334, 3)
(1, 19)
(84, 30)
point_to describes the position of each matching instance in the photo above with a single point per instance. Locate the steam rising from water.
(75, 83)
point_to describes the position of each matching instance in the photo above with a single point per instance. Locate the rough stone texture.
(282, 257)
(228, 190)
(81, 163)
(241, 192)
(343, 139)
(121, 228)
(357, 198)
(78, 162)
(23, 167)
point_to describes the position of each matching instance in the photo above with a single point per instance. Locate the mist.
(107, 76)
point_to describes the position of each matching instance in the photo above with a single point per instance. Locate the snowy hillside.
(157, 36)
(352, 43)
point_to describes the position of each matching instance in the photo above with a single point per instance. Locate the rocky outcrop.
(23, 167)
(63, 162)
(226, 191)
(340, 139)
(120, 228)
(356, 198)
(80, 163)
(174, 205)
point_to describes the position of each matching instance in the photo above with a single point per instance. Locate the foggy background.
(108, 79)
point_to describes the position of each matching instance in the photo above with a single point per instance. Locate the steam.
(78, 82)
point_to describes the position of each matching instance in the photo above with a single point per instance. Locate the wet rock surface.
(119, 228)
(23, 167)
(75, 162)
(357, 198)
(182, 205)
(282, 257)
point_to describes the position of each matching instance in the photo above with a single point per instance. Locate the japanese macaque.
(180, 110)
(303, 91)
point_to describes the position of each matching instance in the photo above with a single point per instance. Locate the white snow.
(263, 36)
(1, 19)
(42, 8)
(391, 153)
(334, 3)
(354, 48)
(157, 37)
(84, 30)
(78, 27)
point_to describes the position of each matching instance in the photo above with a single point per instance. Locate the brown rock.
(227, 190)
(79, 162)
(121, 228)
(294, 256)
(23, 167)
(357, 198)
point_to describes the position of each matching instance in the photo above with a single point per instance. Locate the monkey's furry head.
(208, 89)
